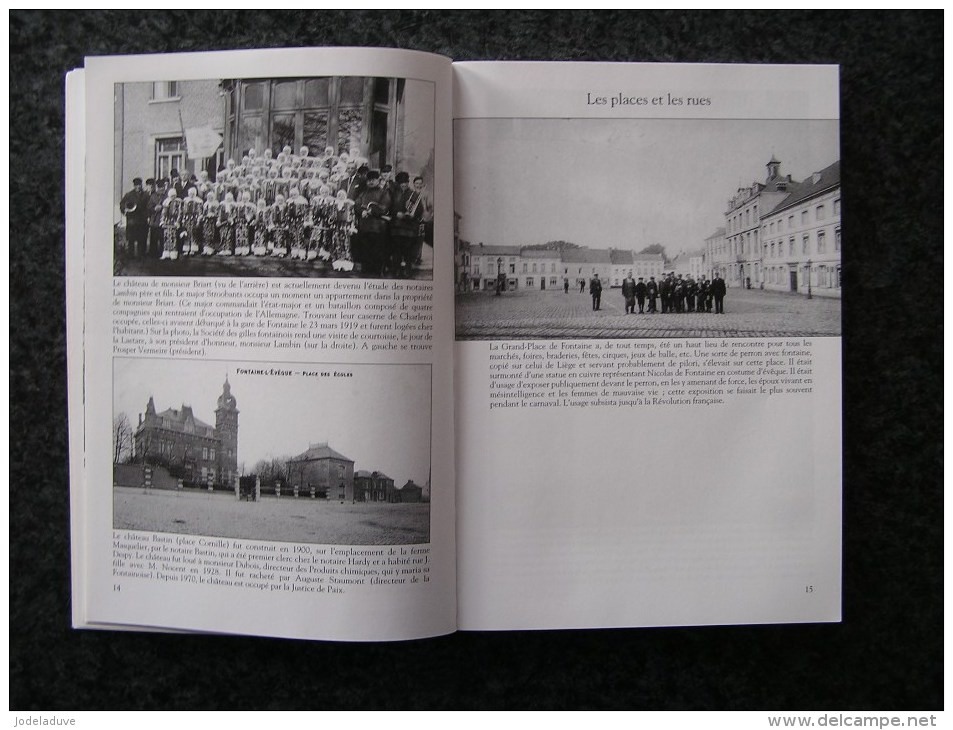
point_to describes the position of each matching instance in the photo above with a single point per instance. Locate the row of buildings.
(178, 444)
(541, 269)
(780, 234)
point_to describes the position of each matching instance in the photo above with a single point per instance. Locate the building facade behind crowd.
(533, 269)
(335, 169)
(779, 235)
(782, 234)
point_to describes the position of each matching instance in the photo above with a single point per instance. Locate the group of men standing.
(329, 207)
(677, 294)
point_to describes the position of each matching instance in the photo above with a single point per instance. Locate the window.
(803, 217)
(205, 453)
(772, 249)
(524, 267)
(790, 222)
(529, 281)
(345, 113)
(534, 268)
(552, 281)
(791, 247)
(211, 454)
(837, 240)
(837, 207)
(819, 213)
(165, 90)
(512, 268)
(805, 245)
(821, 242)
(170, 155)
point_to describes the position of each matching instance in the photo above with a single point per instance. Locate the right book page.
(648, 356)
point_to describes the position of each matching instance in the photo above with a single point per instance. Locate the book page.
(267, 403)
(648, 344)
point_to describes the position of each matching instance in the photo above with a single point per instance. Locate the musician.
(372, 211)
(227, 218)
(278, 227)
(171, 218)
(191, 222)
(244, 223)
(321, 206)
(342, 228)
(407, 212)
(297, 223)
(135, 206)
(426, 221)
(387, 180)
(260, 242)
(209, 223)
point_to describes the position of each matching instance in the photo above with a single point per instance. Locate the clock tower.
(226, 428)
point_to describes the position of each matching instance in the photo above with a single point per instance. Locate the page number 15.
(808, 589)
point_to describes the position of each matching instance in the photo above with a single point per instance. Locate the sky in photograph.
(621, 183)
(379, 417)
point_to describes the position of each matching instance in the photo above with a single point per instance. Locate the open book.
(370, 345)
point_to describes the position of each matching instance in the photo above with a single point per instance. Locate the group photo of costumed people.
(677, 294)
(331, 209)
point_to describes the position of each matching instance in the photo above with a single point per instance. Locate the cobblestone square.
(559, 315)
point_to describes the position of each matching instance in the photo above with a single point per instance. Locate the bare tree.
(122, 439)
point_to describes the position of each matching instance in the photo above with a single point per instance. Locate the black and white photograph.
(309, 453)
(305, 177)
(633, 228)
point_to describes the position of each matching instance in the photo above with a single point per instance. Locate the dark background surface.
(887, 653)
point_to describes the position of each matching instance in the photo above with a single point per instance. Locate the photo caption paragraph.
(624, 374)
(266, 567)
(191, 317)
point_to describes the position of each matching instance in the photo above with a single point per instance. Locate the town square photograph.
(315, 176)
(311, 453)
(628, 228)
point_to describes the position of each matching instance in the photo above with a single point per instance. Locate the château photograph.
(310, 453)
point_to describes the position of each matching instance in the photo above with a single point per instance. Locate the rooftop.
(320, 451)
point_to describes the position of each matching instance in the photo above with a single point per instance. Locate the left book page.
(260, 364)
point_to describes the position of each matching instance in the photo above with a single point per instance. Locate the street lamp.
(809, 293)
(499, 275)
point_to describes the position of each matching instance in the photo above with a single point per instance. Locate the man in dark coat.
(702, 294)
(628, 293)
(718, 291)
(406, 214)
(134, 205)
(640, 291)
(595, 289)
(156, 193)
(651, 291)
(665, 291)
(372, 211)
